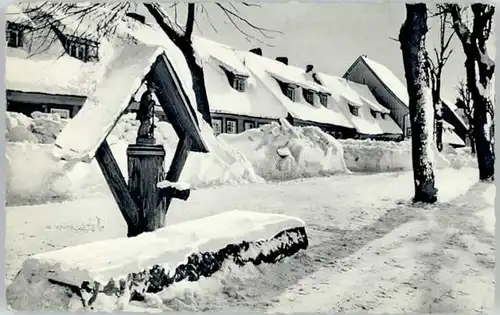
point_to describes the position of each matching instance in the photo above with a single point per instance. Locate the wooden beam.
(118, 186)
(178, 162)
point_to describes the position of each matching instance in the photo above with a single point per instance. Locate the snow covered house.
(53, 70)
(304, 100)
(392, 93)
(237, 101)
(371, 119)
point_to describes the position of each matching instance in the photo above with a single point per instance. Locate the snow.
(282, 151)
(385, 156)
(50, 178)
(104, 106)
(347, 93)
(300, 109)
(370, 250)
(169, 247)
(255, 101)
(389, 79)
(177, 185)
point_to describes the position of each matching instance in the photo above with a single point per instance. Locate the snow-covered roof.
(389, 79)
(449, 136)
(264, 70)
(346, 93)
(220, 53)
(255, 101)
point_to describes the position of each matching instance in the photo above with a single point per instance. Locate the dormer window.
(323, 99)
(374, 113)
(354, 110)
(290, 93)
(308, 96)
(82, 49)
(236, 81)
(14, 34)
(239, 83)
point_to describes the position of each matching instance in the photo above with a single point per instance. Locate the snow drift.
(282, 151)
(168, 255)
(383, 156)
(35, 176)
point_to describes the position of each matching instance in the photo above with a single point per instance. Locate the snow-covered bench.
(186, 250)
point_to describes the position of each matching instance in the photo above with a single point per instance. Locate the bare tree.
(480, 68)
(181, 35)
(464, 102)
(441, 55)
(412, 38)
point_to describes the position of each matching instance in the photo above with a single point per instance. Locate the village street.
(370, 249)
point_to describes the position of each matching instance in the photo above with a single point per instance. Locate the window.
(14, 34)
(353, 110)
(374, 113)
(82, 49)
(63, 113)
(323, 99)
(217, 126)
(408, 131)
(290, 93)
(231, 126)
(239, 83)
(308, 96)
(248, 125)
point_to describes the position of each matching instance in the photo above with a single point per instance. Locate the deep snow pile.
(34, 175)
(383, 156)
(282, 151)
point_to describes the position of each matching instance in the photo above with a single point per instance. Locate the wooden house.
(371, 119)
(304, 100)
(390, 91)
(237, 101)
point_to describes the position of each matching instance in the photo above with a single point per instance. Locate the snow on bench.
(168, 247)
(82, 136)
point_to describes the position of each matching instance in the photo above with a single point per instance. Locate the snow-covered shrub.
(281, 151)
(461, 157)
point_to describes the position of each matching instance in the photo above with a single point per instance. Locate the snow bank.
(34, 175)
(281, 151)
(383, 156)
(168, 247)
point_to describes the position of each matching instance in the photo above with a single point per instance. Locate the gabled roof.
(266, 70)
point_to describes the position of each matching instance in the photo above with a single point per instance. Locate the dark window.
(217, 126)
(82, 49)
(308, 96)
(239, 83)
(14, 34)
(408, 131)
(323, 99)
(290, 93)
(248, 125)
(354, 110)
(231, 126)
(63, 113)
(374, 113)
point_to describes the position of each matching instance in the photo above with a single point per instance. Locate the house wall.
(27, 102)
(360, 73)
(241, 122)
(338, 132)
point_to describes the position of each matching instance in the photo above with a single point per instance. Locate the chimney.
(309, 68)
(257, 51)
(283, 60)
(137, 17)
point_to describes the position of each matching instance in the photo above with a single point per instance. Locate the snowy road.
(369, 249)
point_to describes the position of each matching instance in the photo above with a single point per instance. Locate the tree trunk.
(185, 45)
(412, 39)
